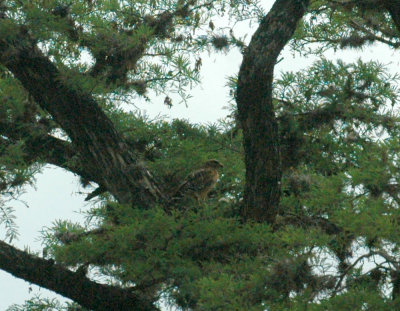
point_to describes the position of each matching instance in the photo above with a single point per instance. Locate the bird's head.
(213, 164)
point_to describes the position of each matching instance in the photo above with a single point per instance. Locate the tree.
(305, 215)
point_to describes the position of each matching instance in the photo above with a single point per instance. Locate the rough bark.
(44, 148)
(51, 150)
(395, 275)
(104, 152)
(256, 111)
(110, 162)
(72, 285)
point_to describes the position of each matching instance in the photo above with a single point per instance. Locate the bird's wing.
(198, 181)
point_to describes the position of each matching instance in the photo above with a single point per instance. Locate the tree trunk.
(106, 155)
(256, 111)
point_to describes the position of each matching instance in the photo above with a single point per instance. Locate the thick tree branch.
(256, 112)
(60, 153)
(41, 147)
(73, 285)
(93, 135)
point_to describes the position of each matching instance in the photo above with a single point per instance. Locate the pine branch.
(73, 285)
(119, 60)
(45, 148)
(102, 148)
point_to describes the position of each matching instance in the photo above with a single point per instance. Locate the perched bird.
(200, 182)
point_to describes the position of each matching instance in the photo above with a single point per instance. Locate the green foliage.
(7, 220)
(335, 244)
(202, 258)
(44, 304)
(135, 44)
(348, 24)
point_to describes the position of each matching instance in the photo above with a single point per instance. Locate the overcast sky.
(57, 192)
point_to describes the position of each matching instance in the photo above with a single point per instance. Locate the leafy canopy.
(335, 243)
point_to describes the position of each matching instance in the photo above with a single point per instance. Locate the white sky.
(56, 195)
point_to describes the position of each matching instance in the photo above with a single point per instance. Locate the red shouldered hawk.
(200, 182)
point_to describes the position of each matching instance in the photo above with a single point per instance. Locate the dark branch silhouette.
(72, 285)
(102, 148)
